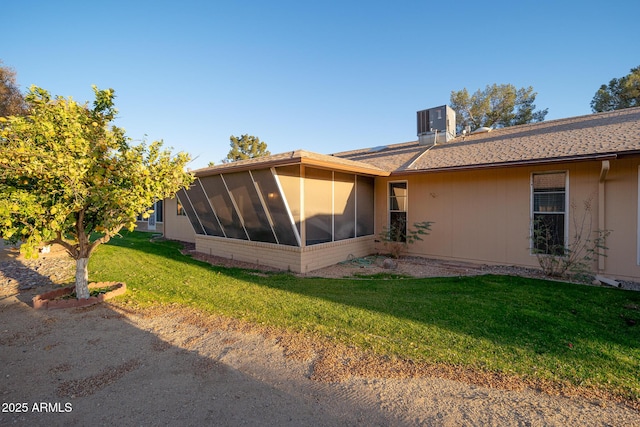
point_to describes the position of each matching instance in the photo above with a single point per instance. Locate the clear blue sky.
(324, 76)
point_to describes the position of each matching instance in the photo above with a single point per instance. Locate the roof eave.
(570, 159)
(289, 161)
(226, 168)
(364, 170)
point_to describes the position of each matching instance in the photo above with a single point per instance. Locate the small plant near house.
(396, 240)
(577, 257)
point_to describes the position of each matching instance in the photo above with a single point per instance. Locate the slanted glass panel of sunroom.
(220, 200)
(276, 207)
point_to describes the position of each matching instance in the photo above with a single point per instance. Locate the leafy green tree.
(68, 177)
(619, 93)
(11, 100)
(496, 106)
(245, 147)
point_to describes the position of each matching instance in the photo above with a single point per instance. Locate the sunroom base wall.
(287, 258)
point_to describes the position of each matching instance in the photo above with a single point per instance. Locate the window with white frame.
(398, 211)
(549, 209)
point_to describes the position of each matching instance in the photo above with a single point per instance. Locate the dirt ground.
(112, 365)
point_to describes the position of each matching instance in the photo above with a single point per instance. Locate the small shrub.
(396, 242)
(578, 256)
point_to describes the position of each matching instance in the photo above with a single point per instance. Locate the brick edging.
(48, 301)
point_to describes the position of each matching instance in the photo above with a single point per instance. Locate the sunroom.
(296, 211)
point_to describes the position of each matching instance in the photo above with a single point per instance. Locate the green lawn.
(532, 328)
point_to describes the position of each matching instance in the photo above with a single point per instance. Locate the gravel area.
(22, 274)
(409, 266)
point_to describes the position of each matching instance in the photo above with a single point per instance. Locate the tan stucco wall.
(483, 216)
(177, 227)
(480, 216)
(298, 260)
(622, 219)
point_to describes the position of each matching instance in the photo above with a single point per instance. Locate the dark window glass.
(344, 206)
(398, 211)
(549, 233)
(549, 209)
(255, 219)
(398, 196)
(193, 219)
(549, 202)
(317, 205)
(179, 208)
(159, 211)
(221, 202)
(364, 195)
(277, 210)
(398, 226)
(203, 210)
(289, 178)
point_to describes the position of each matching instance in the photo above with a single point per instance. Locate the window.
(247, 201)
(203, 210)
(549, 212)
(344, 206)
(275, 206)
(268, 205)
(364, 206)
(318, 210)
(191, 214)
(219, 197)
(288, 179)
(159, 210)
(398, 211)
(180, 209)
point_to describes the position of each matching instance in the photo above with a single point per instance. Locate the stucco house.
(486, 192)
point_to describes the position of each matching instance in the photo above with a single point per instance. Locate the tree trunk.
(82, 278)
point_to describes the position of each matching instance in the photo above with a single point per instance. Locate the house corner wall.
(176, 227)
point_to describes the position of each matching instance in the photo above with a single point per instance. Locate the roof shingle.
(583, 137)
(577, 137)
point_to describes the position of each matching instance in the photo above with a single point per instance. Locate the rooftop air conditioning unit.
(436, 125)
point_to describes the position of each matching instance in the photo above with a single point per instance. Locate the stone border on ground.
(49, 301)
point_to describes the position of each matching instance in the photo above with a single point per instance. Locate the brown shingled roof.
(390, 158)
(294, 157)
(591, 136)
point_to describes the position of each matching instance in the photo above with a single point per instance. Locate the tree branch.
(104, 239)
(71, 249)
